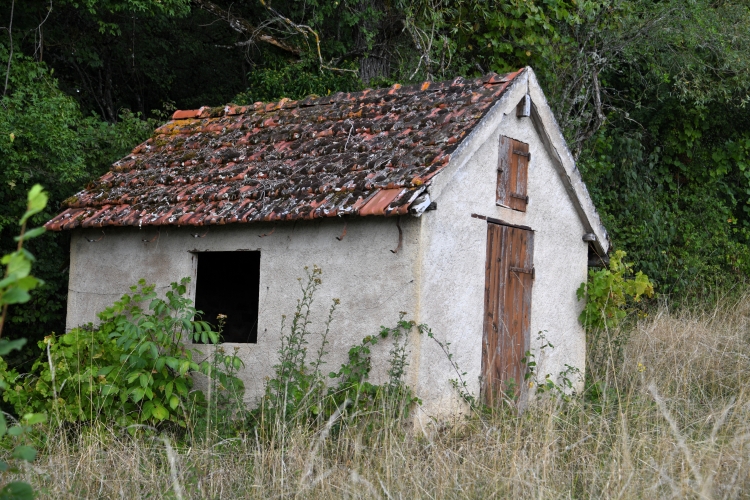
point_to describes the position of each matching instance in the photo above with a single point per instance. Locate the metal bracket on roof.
(400, 235)
(156, 237)
(343, 233)
(269, 233)
(422, 204)
(98, 239)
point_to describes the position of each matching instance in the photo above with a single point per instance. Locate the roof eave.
(551, 134)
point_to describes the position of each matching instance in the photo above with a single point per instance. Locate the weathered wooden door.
(507, 311)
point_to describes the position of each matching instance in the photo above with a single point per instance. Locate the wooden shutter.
(513, 174)
(507, 311)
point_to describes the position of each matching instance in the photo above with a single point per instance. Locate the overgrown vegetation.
(667, 416)
(15, 285)
(134, 367)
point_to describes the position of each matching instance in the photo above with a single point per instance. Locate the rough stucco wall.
(373, 283)
(453, 263)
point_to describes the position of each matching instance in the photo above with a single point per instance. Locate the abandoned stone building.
(456, 202)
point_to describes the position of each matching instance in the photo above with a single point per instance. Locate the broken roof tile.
(360, 153)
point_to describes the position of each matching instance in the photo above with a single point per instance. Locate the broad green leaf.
(24, 452)
(18, 265)
(184, 367)
(137, 394)
(17, 490)
(161, 413)
(181, 387)
(109, 389)
(31, 233)
(15, 295)
(35, 418)
(174, 402)
(148, 409)
(37, 200)
(159, 364)
(6, 346)
(173, 363)
(28, 283)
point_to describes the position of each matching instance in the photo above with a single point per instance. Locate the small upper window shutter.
(513, 174)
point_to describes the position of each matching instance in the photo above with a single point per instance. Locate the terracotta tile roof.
(363, 153)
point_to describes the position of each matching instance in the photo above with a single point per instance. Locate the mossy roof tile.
(360, 153)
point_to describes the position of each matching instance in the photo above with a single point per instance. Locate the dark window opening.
(228, 283)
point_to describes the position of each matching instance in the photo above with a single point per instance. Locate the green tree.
(44, 138)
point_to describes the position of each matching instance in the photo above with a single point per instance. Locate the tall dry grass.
(671, 419)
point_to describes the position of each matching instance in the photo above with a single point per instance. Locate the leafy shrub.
(45, 138)
(132, 368)
(610, 295)
(15, 286)
(608, 292)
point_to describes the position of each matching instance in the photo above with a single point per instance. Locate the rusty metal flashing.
(269, 233)
(98, 239)
(343, 233)
(400, 235)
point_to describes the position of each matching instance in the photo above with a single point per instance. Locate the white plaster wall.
(373, 283)
(453, 259)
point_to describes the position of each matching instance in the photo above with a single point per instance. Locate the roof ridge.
(232, 109)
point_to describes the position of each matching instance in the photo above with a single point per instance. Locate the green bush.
(132, 368)
(15, 286)
(609, 291)
(45, 138)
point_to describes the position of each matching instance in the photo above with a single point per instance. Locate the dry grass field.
(672, 420)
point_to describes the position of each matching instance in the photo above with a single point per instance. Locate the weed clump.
(301, 394)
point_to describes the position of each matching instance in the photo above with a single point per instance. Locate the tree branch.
(10, 56)
(242, 26)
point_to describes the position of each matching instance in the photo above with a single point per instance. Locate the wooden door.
(507, 311)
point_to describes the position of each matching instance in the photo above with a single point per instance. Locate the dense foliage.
(133, 368)
(15, 285)
(45, 138)
(651, 96)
